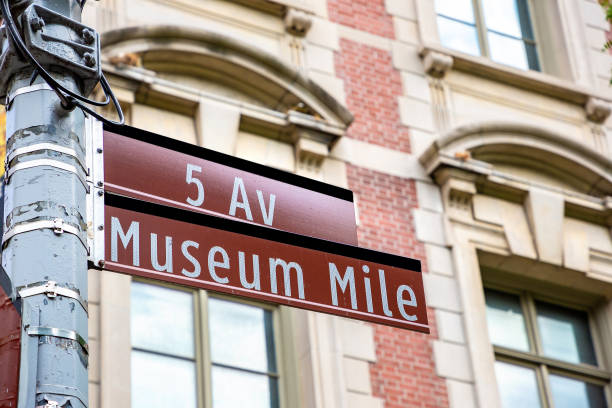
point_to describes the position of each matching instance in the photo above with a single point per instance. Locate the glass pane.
(505, 320)
(162, 320)
(508, 51)
(241, 335)
(565, 334)
(518, 386)
(161, 382)
(571, 393)
(458, 36)
(460, 9)
(502, 16)
(239, 389)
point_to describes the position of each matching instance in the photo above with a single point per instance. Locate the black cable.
(68, 98)
(14, 32)
(107, 91)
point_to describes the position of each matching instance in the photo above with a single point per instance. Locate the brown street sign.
(165, 171)
(227, 256)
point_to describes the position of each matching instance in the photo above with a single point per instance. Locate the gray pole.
(45, 227)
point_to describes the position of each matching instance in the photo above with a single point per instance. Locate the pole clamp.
(58, 225)
(60, 333)
(51, 289)
(50, 147)
(26, 89)
(10, 170)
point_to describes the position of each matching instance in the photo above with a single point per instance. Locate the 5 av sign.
(161, 170)
(183, 214)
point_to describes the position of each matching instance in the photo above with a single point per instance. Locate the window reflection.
(161, 381)
(162, 320)
(457, 9)
(505, 320)
(459, 36)
(244, 372)
(572, 393)
(518, 385)
(238, 389)
(565, 334)
(499, 29)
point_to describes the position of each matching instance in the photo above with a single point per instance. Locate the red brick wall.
(372, 89)
(404, 374)
(365, 15)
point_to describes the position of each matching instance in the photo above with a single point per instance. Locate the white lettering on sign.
(154, 258)
(212, 264)
(348, 279)
(383, 293)
(244, 204)
(287, 267)
(401, 302)
(219, 270)
(239, 199)
(199, 200)
(197, 269)
(368, 288)
(132, 235)
(268, 215)
(255, 284)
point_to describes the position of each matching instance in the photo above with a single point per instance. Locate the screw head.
(37, 23)
(100, 227)
(99, 150)
(100, 193)
(100, 184)
(89, 59)
(88, 36)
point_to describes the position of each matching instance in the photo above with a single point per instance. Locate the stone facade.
(464, 163)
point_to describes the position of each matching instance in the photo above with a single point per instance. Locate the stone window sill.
(438, 60)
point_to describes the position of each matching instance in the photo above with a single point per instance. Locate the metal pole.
(45, 232)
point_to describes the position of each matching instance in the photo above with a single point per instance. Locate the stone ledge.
(530, 80)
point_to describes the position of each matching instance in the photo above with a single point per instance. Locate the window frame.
(202, 352)
(545, 366)
(482, 31)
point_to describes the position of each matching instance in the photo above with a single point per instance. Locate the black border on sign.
(258, 231)
(231, 161)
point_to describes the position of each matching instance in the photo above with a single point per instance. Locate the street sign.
(158, 169)
(228, 256)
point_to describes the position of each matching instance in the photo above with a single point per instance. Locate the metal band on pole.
(57, 225)
(52, 290)
(61, 333)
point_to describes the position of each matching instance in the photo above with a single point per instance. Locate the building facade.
(476, 137)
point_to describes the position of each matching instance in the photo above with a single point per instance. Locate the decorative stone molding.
(581, 165)
(202, 47)
(436, 64)
(297, 22)
(597, 110)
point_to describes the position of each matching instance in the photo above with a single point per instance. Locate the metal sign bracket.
(95, 197)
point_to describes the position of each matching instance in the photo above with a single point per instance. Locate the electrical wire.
(68, 98)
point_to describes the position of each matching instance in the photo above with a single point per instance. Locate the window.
(545, 353)
(233, 364)
(498, 29)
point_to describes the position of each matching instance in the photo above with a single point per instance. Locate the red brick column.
(404, 375)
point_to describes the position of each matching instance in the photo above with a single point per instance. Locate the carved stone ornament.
(297, 22)
(597, 110)
(436, 64)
